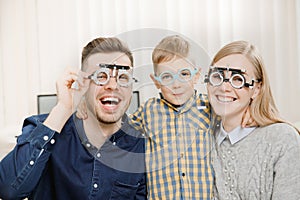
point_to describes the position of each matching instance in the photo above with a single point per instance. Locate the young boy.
(178, 140)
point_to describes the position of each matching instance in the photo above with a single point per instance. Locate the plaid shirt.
(177, 148)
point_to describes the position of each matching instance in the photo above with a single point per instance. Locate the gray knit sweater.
(264, 165)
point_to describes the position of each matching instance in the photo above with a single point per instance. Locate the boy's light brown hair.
(170, 48)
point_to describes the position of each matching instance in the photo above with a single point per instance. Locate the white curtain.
(39, 38)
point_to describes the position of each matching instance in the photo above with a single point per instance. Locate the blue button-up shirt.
(47, 165)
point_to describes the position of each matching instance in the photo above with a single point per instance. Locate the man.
(59, 156)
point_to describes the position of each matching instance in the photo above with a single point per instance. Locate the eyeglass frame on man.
(235, 72)
(117, 71)
(176, 76)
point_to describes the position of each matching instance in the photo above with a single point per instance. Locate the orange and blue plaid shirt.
(178, 146)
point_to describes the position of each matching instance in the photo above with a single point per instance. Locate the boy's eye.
(167, 76)
(185, 73)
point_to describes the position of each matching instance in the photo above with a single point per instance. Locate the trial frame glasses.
(237, 79)
(122, 74)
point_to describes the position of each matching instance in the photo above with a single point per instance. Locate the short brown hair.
(105, 45)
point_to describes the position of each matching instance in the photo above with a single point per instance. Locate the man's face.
(108, 102)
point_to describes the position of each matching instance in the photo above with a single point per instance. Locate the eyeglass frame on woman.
(235, 72)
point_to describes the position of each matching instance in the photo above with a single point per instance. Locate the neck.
(230, 123)
(98, 132)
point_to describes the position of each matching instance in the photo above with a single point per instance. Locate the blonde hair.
(262, 108)
(105, 45)
(170, 48)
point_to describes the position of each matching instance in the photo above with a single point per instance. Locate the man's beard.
(107, 121)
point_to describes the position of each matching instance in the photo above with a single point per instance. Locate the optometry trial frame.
(183, 75)
(120, 72)
(216, 77)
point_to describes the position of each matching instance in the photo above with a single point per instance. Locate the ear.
(256, 90)
(197, 76)
(157, 83)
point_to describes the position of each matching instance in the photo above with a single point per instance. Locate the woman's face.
(228, 102)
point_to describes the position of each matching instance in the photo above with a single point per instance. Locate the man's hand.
(81, 112)
(68, 97)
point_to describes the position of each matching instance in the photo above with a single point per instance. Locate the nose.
(111, 84)
(176, 83)
(226, 86)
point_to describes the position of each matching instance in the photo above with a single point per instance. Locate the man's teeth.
(110, 100)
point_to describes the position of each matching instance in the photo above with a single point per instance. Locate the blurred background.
(39, 38)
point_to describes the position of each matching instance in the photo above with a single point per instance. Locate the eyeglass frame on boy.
(176, 76)
(235, 73)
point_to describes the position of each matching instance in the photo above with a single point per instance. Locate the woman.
(261, 162)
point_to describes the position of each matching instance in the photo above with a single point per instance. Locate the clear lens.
(102, 77)
(216, 78)
(166, 78)
(237, 81)
(185, 75)
(124, 79)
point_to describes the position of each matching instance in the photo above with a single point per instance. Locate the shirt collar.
(235, 135)
(113, 138)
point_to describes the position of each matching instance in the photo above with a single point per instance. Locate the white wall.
(39, 38)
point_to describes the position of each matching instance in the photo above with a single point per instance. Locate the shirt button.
(88, 145)
(52, 141)
(98, 155)
(31, 162)
(95, 185)
(183, 174)
(45, 138)
(114, 143)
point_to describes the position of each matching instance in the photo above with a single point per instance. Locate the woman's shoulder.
(281, 132)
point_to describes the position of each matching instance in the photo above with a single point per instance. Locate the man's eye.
(102, 76)
(124, 77)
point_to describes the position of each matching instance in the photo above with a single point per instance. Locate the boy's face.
(178, 92)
